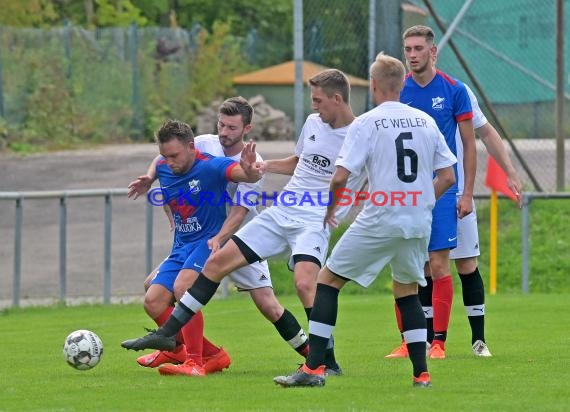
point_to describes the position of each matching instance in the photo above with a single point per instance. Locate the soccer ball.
(82, 349)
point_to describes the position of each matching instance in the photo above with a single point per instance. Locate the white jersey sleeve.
(479, 120)
(301, 141)
(209, 143)
(355, 149)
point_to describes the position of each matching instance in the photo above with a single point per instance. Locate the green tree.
(27, 13)
(217, 61)
(110, 13)
(156, 11)
(99, 13)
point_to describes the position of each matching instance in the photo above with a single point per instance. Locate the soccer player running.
(293, 222)
(193, 185)
(234, 122)
(446, 100)
(400, 148)
(467, 250)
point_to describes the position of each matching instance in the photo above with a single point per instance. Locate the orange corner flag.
(496, 179)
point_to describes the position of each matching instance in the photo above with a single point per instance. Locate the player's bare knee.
(466, 265)
(153, 307)
(439, 269)
(179, 291)
(270, 310)
(267, 303)
(213, 264)
(306, 289)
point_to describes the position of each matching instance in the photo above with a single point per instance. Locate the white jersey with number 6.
(400, 147)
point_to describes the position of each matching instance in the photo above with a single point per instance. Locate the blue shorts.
(444, 223)
(191, 256)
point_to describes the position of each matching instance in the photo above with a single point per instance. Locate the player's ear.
(247, 128)
(373, 85)
(338, 98)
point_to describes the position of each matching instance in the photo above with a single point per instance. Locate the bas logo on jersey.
(320, 160)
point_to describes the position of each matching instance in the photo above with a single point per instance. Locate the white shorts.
(254, 276)
(467, 237)
(361, 256)
(272, 233)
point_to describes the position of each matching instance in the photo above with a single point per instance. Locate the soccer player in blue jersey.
(193, 184)
(234, 122)
(446, 100)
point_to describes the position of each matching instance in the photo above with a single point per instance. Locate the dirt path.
(101, 168)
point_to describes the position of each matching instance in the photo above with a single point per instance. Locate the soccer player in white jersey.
(467, 250)
(293, 222)
(234, 122)
(400, 148)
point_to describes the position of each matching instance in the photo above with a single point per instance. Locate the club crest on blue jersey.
(437, 103)
(194, 187)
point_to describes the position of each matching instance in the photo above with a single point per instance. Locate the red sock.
(398, 318)
(160, 319)
(209, 348)
(193, 333)
(163, 317)
(442, 298)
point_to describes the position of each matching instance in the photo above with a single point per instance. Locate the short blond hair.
(388, 72)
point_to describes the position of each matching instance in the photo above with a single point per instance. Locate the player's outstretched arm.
(444, 179)
(496, 148)
(143, 183)
(284, 166)
(249, 169)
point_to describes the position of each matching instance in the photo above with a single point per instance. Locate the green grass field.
(528, 335)
(548, 237)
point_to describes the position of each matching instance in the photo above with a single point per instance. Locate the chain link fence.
(509, 49)
(69, 85)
